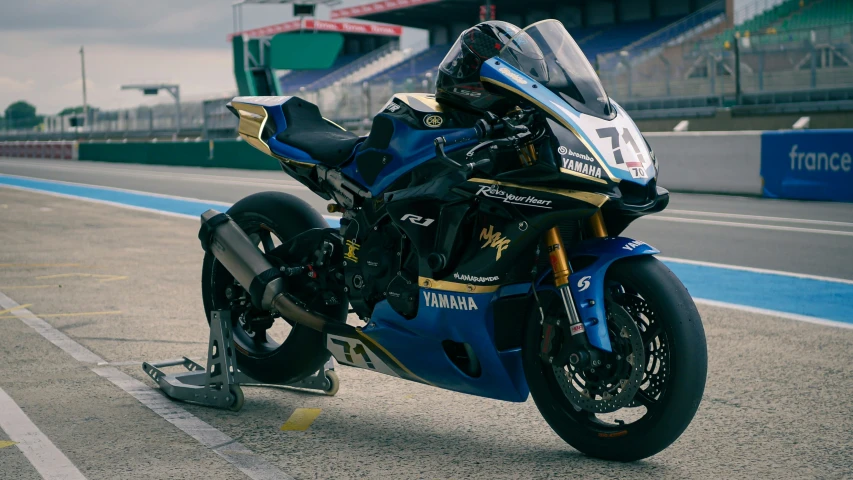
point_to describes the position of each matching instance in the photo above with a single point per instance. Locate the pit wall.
(806, 164)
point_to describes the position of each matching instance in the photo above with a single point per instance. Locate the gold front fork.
(596, 225)
(557, 251)
(557, 254)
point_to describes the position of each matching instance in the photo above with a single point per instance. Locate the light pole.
(153, 89)
(85, 103)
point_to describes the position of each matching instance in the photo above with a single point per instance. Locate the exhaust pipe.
(231, 246)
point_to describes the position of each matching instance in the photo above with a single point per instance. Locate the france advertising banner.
(808, 165)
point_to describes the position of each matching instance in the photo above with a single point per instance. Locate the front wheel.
(665, 387)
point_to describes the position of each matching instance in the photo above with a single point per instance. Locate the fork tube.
(562, 270)
(597, 226)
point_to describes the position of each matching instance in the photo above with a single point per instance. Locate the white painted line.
(226, 447)
(699, 213)
(48, 460)
(54, 336)
(665, 218)
(774, 313)
(756, 270)
(193, 177)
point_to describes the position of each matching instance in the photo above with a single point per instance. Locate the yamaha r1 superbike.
(482, 255)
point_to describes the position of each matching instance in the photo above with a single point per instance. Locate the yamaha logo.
(433, 121)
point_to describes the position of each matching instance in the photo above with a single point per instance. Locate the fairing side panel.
(500, 75)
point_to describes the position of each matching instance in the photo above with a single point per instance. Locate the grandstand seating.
(592, 40)
(793, 15)
(302, 78)
(819, 14)
(416, 66)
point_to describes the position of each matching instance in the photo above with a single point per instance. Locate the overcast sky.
(127, 41)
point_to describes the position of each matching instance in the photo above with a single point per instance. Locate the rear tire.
(669, 303)
(304, 351)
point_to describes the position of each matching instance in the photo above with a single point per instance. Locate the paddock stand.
(219, 384)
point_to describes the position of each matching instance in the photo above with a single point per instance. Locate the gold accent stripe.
(446, 286)
(565, 124)
(595, 199)
(376, 344)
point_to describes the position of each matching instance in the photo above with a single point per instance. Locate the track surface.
(751, 242)
(124, 285)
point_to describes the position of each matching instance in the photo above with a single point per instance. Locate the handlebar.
(481, 130)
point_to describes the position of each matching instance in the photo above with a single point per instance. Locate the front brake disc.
(608, 390)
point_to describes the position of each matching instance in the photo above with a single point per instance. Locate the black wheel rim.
(647, 403)
(252, 338)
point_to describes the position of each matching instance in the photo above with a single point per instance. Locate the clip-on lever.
(441, 155)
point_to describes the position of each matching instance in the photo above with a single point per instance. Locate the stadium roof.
(310, 24)
(427, 13)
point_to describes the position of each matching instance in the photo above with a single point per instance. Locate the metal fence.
(792, 66)
(798, 60)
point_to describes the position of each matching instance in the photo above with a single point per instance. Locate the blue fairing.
(409, 148)
(416, 343)
(587, 284)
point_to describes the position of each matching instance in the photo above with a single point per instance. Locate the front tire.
(673, 379)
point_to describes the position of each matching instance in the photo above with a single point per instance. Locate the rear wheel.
(643, 396)
(269, 349)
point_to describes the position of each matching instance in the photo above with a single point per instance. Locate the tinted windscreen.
(562, 67)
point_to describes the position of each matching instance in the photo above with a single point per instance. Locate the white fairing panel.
(620, 144)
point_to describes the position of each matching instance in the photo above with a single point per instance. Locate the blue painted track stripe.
(142, 200)
(799, 296)
(809, 297)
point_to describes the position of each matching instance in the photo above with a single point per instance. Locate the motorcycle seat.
(308, 131)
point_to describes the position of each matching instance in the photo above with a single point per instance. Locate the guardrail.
(61, 150)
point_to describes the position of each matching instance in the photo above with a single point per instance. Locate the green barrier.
(225, 154)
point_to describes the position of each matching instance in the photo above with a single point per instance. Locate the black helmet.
(458, 83)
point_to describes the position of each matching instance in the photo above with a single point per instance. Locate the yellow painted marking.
(34, 265)
(6, 443)
(301, 419)
(15, 308)
(409, 397)
(78, 314)
(11, 287)
(101, 278)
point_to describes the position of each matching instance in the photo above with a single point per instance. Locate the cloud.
(10, 86)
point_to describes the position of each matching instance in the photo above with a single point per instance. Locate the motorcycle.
(481, 255)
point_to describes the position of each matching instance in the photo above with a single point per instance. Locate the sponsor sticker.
(474, 279)
(417, 220)
(583, 283)
(433, 121)
(630, 246)
(577, 328)
(579, 162)
(494, 191)
(352, 247)
(514, 76)
(449, 301)
(392, 107)
(495, 240)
